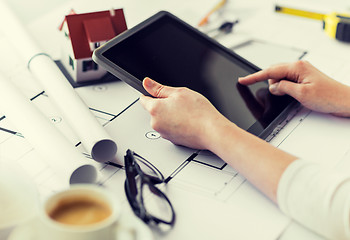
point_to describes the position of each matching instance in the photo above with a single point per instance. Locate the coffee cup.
(84, 211)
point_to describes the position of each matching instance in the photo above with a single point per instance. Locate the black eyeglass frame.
(132, 170)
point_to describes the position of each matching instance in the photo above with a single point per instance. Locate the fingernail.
(273, 87)
(148, 82)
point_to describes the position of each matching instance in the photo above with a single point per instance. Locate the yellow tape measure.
(336, 25)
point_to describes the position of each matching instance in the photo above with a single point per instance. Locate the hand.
(181, 115)
(187, 118)
(306, 84)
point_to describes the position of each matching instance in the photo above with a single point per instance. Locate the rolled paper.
(93, 136)
(91, 133)
(66, 161)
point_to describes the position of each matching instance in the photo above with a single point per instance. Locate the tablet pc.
(172, 52)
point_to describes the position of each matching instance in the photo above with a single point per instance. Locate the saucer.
(28, 231)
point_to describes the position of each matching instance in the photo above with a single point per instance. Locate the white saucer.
(28, 230)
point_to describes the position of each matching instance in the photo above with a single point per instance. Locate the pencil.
(205, 19)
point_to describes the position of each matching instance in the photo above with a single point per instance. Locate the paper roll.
(69, 164)
(90, 132)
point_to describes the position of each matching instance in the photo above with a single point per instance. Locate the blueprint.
(211, 199)
(191, 174)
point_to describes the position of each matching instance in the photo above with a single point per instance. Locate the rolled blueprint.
(90, 132)
(66, 161)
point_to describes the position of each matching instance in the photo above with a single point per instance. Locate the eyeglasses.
(147, 201)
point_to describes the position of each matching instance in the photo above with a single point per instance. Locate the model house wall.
(81, 35)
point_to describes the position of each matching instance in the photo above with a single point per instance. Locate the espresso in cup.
(80, 210)
(83, 212)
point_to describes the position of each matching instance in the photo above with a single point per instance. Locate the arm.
(317, 198)
(306, 84)
(187, 118)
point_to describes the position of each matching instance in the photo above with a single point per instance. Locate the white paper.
(94, 138)
(234, 208)
(264, 54)
(71, 166)
(203, 187)
(92, 135)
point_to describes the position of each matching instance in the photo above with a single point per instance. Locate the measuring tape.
(335, 25)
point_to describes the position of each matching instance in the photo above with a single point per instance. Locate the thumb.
(156, 89)
(285, 87)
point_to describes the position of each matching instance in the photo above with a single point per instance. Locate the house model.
(81, 35)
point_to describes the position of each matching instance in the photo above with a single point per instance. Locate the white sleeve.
(317, 198)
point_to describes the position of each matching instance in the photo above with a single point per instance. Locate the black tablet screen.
(173, 54)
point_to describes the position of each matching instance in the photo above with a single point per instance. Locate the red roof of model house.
(93, 27)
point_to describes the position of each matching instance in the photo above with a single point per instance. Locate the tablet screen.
(171, 53)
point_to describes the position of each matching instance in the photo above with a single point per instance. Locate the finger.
(144, 100)
(151, 105)
(156, 89)
(281, 71)
(285, 87)
(272, 81)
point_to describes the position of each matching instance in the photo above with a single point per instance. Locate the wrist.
(343, 102)
(216, 133)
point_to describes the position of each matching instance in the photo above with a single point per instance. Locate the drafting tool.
(225, 27)
(214, 9)
(336, 25)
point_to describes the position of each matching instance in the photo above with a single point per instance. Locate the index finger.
(278, 72)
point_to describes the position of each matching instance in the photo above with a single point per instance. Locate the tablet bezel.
(136, 83)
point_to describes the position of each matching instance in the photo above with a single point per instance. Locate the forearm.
(315, 198)
(261, 163)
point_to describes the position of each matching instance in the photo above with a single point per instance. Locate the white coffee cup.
(61, 215)
(18, 197)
